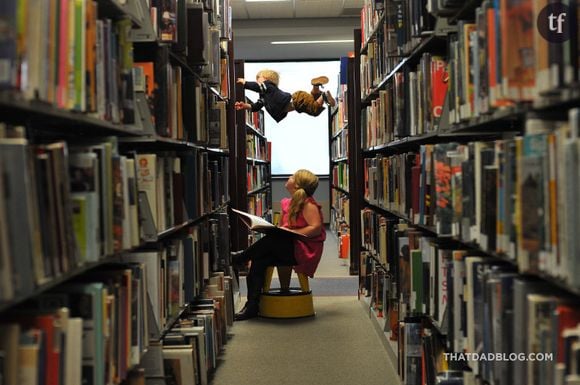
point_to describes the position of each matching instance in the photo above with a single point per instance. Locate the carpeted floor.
(338, 346)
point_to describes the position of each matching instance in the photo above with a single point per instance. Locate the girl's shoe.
(247, 312)
(238, 258)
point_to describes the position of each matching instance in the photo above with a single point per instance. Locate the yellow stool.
(286, 302)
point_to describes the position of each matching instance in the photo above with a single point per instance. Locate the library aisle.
(337, 346)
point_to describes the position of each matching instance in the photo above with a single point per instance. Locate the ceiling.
(256, 24)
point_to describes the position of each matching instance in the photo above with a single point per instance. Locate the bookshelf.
(115, 165)
(340, 167)
(468, 159)
(254, 175)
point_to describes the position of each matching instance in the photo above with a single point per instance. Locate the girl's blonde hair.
(306, 183)
(270, 75)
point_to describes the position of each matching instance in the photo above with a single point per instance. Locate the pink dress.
(307, 251)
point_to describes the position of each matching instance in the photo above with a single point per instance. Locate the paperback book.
(261, 225)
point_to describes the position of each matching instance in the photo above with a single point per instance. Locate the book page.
(261, 225)
(254, 220)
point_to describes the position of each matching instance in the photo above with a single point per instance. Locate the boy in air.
(278, 103)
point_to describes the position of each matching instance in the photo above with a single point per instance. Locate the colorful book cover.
(468, 66)
(439, 83)
(166, 11)
(63, 62)
(91, 56)
(517, 49)
(531, 192)
(147, 70)
(541, 54)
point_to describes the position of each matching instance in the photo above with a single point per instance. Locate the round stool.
(286, 302)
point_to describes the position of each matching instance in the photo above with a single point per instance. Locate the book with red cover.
(567, 317)
(149, 73)
(51, 345)
(91, 56)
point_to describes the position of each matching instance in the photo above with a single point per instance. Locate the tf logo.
(555, 22)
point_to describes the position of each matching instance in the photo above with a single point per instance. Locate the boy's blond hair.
(270, 75)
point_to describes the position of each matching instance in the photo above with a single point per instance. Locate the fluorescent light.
(264, 1)
(312, 41)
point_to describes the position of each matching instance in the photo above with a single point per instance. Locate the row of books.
(91, 70)
(191, 31)
(179, 272)
(400, 29)
(255, 119)
(98, 330)
(418, 346)
(257, 147)
(92, 332)
(181, 188)
(339, 175)
(370, 15)
(340, 221)
(191, 348)
(491, 64)
(92, 204)
(339, 145)
(413, 106)
(474, 304)
(69, 57)
(499, 60)
(180, 106)
(258, 176)
(340, 120)
(195, 31)
(513, 197)
(340, 203)
(260, 203)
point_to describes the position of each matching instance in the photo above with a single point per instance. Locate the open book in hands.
(261, 225)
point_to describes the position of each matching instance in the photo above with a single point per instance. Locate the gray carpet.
(338, 346)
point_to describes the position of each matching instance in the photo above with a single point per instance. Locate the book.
(261, 225)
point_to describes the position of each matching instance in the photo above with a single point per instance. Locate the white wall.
(300, 140)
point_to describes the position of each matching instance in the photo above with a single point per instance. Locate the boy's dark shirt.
(271, 97)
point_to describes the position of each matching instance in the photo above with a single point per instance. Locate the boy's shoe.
(319, 81)
(316, 92)
(327, 97)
